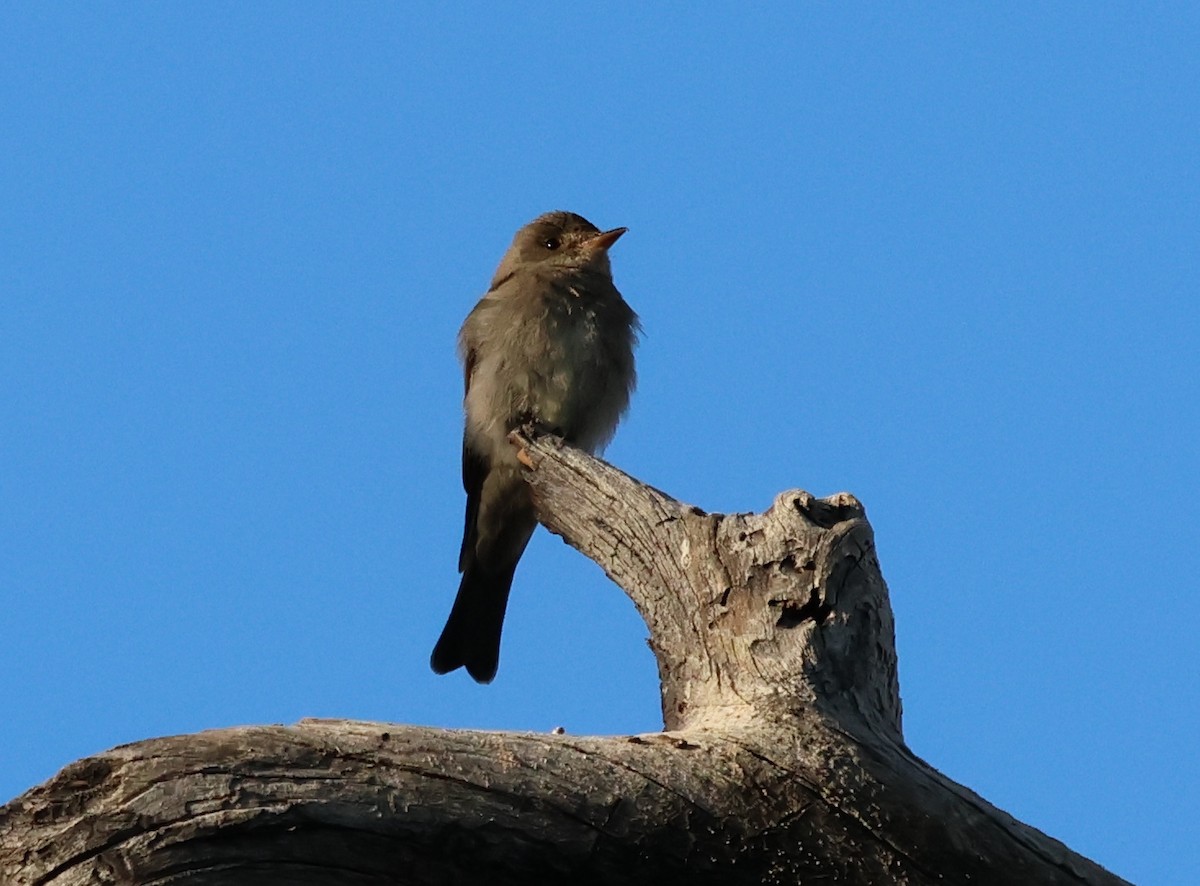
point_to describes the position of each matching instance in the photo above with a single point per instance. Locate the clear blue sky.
(941, 256)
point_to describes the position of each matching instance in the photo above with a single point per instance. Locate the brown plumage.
(550, 343)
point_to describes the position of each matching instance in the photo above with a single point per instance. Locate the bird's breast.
(550, 358)
(557, 383)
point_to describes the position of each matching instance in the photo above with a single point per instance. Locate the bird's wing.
(469, 359)
(474, 470)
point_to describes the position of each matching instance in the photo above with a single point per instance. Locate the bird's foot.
(533, 427)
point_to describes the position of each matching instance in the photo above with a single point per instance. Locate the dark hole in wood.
(792, 613)
(823, 513)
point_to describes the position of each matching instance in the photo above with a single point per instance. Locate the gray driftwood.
(782, 760)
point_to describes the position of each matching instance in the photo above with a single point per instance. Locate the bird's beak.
(605, 240)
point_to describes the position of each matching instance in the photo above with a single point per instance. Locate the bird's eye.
(552, 243)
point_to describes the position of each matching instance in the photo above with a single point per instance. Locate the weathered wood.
(783, 759)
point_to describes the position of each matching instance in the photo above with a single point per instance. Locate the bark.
(782, 760)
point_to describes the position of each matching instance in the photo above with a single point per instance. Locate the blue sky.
(941, 256)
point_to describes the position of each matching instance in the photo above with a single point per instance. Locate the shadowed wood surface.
(783, 762)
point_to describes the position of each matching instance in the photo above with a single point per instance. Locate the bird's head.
(560, 243)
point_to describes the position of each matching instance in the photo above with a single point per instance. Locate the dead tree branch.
(782, 761)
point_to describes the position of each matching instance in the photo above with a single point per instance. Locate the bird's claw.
(533, 428)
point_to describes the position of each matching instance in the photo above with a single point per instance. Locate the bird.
(549, 346)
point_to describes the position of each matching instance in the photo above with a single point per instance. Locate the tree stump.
(782, 759)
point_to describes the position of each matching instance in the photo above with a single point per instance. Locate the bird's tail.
(471, 637)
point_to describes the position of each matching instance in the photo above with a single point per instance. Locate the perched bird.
(550, 344)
